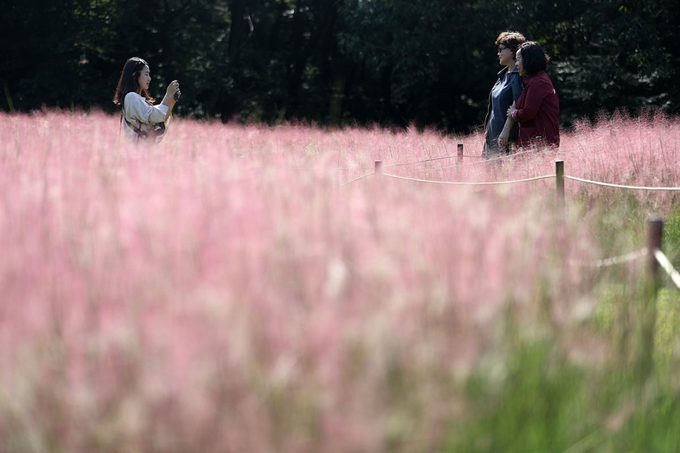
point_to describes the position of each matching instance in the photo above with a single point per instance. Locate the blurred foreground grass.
(219, 294)
(546, 402)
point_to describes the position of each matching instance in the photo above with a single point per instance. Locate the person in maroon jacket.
(538, 107)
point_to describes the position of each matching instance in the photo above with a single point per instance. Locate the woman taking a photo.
(538, 107)
(141, 119)
(497, 126)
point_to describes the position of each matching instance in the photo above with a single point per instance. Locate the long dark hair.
(128, 81)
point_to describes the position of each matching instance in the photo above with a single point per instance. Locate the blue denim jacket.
(507, 89)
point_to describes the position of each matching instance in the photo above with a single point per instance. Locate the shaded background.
(429, 63)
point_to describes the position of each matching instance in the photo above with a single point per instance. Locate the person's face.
(144, 79)
(520, 64)
(504, 55)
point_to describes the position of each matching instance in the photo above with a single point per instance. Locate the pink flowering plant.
(232, 289)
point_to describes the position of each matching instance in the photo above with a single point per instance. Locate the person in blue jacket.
(499, 129)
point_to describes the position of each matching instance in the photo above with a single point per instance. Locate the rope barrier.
(655, 225)
(620, 186)
(427, 160)
(573, 178)
(477, 156)
(667, 266)
(615, 260)
(492, 159)
(469, 183)
(419, 162)
(356, 179)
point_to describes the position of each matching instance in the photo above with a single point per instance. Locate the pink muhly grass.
(221, 292)
(640, 151)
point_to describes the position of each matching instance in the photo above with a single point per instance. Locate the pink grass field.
(224, 291)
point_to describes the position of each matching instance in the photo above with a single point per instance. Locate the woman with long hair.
(140, 117)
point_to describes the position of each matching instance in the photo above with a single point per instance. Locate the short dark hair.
(534, 58)
(128, 81)
(511, 40)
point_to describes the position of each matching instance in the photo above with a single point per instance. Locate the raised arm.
(138, 109)
(170, 99)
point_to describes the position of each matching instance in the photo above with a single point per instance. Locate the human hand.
(173, 90)
(511, 110)
(503, 139)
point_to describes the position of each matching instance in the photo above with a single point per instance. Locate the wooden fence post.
(559, 184)
(654, 242)
(647, 309)
(378, 168)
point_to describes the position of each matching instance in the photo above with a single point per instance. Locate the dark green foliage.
(541, 405)
(429, 63)
(546, 404)
(671, 238)
(652, 428)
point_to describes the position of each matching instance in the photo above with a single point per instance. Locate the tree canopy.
(337, 62)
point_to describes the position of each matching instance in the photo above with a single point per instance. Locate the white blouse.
(138, 113)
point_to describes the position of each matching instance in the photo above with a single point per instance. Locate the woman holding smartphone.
(142, 120)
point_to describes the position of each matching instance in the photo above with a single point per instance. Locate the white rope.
(469, 183)
(587, 181)
(357, 179)
(614, 260)
(420, 161)
(668, 267)
(494, 159)
(428, 160)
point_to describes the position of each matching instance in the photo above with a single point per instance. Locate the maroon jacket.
(538, 109)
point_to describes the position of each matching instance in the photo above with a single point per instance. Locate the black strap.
(138, 130)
